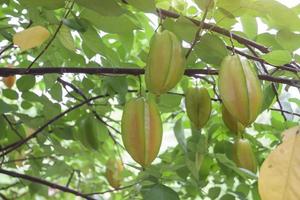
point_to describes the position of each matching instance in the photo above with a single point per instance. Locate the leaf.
(74, 24)
(249, 24)
(268, 97)
(25, 83)
(31, 37)
(182, 27)
(10, 94)
(160, 192)
(143, 5)
(288, 40)
(278, 57)
(280, 172)
(277, 15)
(65, 37)
(211, 49)
(7, 108)
(222, 158)
(179, 134)
(103, 7)
(51, 5)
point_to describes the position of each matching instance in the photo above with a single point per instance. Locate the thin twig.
(272, 84)
(78, 91)
(44, 182)
(199, 31)
(53, 37)
(19, 143)
(285, 111)
(70, 178)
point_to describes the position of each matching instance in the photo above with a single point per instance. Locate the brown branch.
(222, 31)
(124, 71)
(19, 143)
(53, 37)
(219, 30)
(44, 182)
(262, 61)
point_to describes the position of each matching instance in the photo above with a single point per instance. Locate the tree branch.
(44, 182)
(124, 71)
(262, 61)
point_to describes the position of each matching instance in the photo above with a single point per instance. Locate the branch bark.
(124, 71)
(44, 182)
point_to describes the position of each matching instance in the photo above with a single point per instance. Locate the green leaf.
(268, 40)
(214, 192)
(122, 24)
(56, 92)
(10, 94)
(25, 83)
(160, 192)
(277, 15)
(288, 40)
(278, 57)
(169, 102)
(269, 96)
(65, 37)
(179, 134)
(222, 158)
(249, 24)
(211, 49)
(103, 7)
(74, 24)
(182, 27)
(7, 108)
(51, 5)
(143, 5)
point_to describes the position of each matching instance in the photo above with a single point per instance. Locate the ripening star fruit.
(240, 89)
(232, 124)
(9, 81)
(165, 63)
(141, 130)
(114, 169)
(243, 155)
(198, 106)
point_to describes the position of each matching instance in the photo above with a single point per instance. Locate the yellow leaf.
(290, 132)
(280, 173)
(31, 37)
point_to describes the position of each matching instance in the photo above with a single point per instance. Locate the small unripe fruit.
(243, 155)
(88, 132)
(198, 106)
(141, 130)
(165, 64)
(114, 169)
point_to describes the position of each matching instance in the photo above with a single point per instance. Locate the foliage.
(45, 111)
